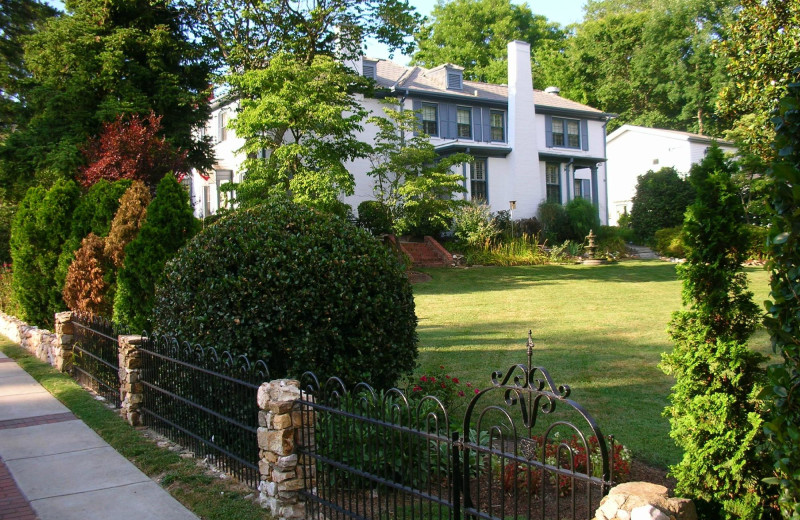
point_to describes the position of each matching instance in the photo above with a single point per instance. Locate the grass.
(601, 330)
(208, 497)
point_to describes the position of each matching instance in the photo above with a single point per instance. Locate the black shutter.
(477, 128)
(584, 134)
(548, 131)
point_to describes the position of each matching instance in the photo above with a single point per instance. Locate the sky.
(564, 12)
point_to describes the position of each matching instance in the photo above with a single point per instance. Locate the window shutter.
(486, 122)
(416, 105)
(548, 131)
(447, 121)
(477, 128)
(584, 134)
(452, 124)
(586, 189)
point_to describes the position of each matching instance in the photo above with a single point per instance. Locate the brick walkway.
(13, 505)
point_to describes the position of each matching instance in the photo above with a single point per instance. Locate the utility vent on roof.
(553, 90)
(455, 79)
(369, 69)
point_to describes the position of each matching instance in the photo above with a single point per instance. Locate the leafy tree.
(660, 201)
(18, 19)
(714, 413)
(132, 149)
(100, 60)
(127, 221)
(649, 61)
(762, 55)
(783, 318)
(307, 118)
(416, 186)
(41, 226)
(168, 225)
(85, 287)
(482, 50)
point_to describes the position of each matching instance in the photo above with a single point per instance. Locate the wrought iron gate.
(524, 450)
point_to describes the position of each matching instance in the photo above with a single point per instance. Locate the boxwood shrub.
(300, 289)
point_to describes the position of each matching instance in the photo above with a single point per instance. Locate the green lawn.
(600, 330)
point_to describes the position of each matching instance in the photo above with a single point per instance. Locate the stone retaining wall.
(53, 348)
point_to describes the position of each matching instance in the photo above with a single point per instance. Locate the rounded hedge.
(300, 289)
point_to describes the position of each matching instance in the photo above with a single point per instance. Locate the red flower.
(424, 379)
(461, 393)
(477, 391)
(444, 385)
(469, 385)
(417, 388)
(455, 380)
(433, 379)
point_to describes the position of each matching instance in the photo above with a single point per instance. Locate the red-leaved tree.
(131, 149)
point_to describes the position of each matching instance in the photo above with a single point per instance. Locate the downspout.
(605, 164)
(402, 109)
(570, 180)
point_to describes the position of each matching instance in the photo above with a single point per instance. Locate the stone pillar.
(281, 432)
(130, 387)
(644, 501)
(62, 350)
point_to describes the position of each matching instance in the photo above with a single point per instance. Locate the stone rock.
(265, 419)
(286, 463)
(648, 512)
(626, 498)
(280, 476)
(281, 421)
(291, 485)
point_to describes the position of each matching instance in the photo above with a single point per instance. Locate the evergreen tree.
(714, 412)
(168, 225)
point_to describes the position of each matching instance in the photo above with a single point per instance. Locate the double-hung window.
(497, 121)
(478, 189)
(566, 133)
(553, 180)
(464, 122)
(430, 119)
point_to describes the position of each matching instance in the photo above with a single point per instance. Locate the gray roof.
(419, 79)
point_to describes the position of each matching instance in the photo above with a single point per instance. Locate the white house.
(529, 146)
(635, 150)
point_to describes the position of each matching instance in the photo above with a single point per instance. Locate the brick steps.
(424, 254)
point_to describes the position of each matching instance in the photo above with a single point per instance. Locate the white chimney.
(524, 157)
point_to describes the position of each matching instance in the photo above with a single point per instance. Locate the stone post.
(62, 350)
(284, 472)
(644, 501)
(130, 387)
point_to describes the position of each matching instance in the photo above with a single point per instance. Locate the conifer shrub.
(554, 220)
(583, 217)
(41, 226)
(86, 288)
(127, 221)
(301, 289)
(93, 214)
(669, 242)
(168, 225)
(715, 414)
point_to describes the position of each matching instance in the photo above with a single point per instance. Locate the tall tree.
(482, 50)
(100, 60)
(18, 20)
(283, 64)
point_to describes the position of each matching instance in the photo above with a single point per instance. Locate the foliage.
(783, 311)
(95, 62)
(757, 247)
(482, 50)
(583, 217)
(298, 288)
(40, 228)
(375, 217)
(714, 414)
(306, 115)
(168, 225)
(85, 287)
(127, 222)
(93, 214)
(448, 389)
(518, 250)
(410, 178)
(555, 222)
(762, 56)
(6, 218)
(611, 241)
(474, 224)
(651, 62)
(669, 242)
(132, 149)
(660, 201)
(8, 304)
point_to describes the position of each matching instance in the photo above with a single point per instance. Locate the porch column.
(595, 195)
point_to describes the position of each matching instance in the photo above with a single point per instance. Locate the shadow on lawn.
(454, 281)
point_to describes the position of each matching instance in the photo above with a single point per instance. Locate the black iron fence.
(524, 449)
(205, 401)
(95, 355)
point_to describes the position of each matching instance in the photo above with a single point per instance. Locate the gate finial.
(530, 349)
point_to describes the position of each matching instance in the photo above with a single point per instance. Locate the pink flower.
(455, 380)
(461, 393)
(477, 391)
(469, 385)
(448, 377)
(433, 379)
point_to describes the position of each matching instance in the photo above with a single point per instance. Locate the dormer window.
(369, 69)
(455, 79)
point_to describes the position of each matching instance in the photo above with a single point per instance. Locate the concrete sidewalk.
(54, 467)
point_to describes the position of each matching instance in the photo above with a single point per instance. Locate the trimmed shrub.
(40, 228)
(660, 201)
(6, 218)
(85, 287)
(301, 289)
(168, 225)
(583, 217)
(7, 302)
(375, 217)
(669, 242)
(127, 222)
(554, 220)
(530, 227)
(714, 411)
